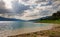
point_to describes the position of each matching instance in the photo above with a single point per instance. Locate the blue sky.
(28, 9)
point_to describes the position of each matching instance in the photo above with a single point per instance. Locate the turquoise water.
(19, 25)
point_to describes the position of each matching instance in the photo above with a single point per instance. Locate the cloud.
(3, 9)
(29, 9)
(42, 9)
(19, 8)
(2, 6)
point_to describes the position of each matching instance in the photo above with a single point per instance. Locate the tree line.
(56, 15)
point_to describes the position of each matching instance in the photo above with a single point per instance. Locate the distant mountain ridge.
(55, 16)
(9, 19)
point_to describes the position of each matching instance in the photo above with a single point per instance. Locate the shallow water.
(10, 28)
(19, 25)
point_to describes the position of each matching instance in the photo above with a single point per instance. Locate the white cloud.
(31, 9)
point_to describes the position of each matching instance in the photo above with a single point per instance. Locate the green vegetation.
(55, 18)
(49, 21)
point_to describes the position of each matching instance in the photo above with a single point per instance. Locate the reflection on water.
(7, 25)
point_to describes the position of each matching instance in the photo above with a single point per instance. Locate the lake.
(8, 25)
(13, 27)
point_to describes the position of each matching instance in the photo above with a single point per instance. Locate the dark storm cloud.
(2, 7)
(45, 12)
(2, 4)
(19, 8)
(25, 0)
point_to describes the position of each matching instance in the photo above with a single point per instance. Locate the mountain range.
(9, 19)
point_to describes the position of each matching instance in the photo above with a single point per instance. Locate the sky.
(28, 9)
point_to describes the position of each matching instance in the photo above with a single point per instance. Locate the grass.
(49, 21)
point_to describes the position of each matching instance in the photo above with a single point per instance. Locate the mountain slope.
(9, 19)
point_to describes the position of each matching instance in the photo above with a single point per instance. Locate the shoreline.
(29, 31)
(25, 31)
(53, 32)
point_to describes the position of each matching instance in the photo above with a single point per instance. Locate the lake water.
(8, 28)
(12, 25)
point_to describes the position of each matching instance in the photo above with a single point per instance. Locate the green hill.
(55, 18)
